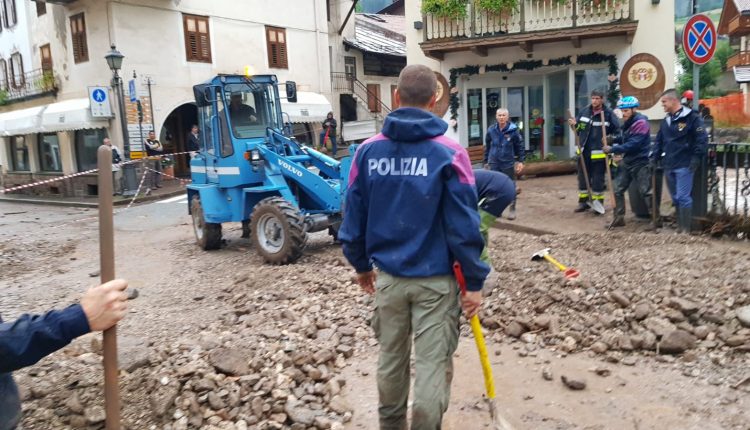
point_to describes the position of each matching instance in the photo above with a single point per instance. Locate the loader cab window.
(207, 127)
(251, 109)
(225, 138)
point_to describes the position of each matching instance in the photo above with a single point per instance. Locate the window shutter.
(4, 84)
(13, 16)
(277, 50)
(197, 38)
(78, 37)
(46, 55)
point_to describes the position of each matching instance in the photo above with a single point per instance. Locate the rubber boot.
(618, 221)
(653, 225)
(582, 206)
(685, 220)
(512, 212)
(486, 220)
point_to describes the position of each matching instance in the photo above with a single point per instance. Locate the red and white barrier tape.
(73, 175)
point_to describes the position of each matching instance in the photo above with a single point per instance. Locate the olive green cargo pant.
(486, 220)
(429, 309)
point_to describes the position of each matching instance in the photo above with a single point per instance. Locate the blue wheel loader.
(250, 170)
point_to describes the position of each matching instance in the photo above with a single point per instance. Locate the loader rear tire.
(277, 229)
(207, 234)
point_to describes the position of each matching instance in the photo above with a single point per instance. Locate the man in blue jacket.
(411, 211)
(504, 150)
(588, 125)
(634, 144)
(30, 338)
(681, 144)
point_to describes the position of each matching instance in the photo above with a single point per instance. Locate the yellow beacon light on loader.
(249, 72)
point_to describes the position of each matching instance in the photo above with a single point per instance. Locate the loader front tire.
(207, 234)
(277, 231)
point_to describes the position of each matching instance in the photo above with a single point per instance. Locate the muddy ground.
(300, 350)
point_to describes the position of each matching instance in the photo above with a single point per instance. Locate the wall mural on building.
(643, 77)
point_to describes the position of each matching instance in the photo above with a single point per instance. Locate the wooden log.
(549, 168)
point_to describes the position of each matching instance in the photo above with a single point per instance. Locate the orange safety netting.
(732, 110)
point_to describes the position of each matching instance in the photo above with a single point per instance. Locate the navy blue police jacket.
(411, 205)
(681, 138)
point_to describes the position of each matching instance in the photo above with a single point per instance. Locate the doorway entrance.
(174, 134)
(525, 104)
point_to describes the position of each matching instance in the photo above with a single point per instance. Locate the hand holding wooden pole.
(107, 273)
(606, 161)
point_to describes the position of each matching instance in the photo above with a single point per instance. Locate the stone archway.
(174, 135)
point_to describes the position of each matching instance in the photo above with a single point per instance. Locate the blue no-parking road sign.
(699, 39)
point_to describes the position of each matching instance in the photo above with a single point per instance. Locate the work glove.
(607, 148)
(695, 163)
(610, 140)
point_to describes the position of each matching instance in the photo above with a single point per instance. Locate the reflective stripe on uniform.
(585, 119)
(598, 197)
(599, 123)
(598, 155)
(583, 195)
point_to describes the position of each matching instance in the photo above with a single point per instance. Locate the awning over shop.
(742, 74)
(22, 121)
(310, 107)
(73, 114)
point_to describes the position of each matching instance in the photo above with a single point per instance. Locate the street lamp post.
(114, 61)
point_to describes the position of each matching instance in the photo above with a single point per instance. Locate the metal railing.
(33, 83)
(531, 15)
(729, 179)
(341, 81)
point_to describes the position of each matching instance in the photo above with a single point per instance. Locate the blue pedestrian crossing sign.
(99, 95)
(99, 102)
(699, 39)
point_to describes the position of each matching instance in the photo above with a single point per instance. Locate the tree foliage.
(710, 71)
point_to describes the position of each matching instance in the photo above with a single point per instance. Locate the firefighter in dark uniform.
(588, 125)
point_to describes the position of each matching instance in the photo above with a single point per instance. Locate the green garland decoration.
(613, 94)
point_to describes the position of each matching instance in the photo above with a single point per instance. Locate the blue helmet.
(628, 102)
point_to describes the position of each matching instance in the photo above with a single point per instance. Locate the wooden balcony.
(535, 21)
(739, 26)
(739, 59)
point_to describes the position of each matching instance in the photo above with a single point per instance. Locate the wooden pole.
(582, 163)
(606, 161)
(107, 273)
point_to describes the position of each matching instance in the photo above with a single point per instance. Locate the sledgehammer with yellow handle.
(499, 423)
(569, 272)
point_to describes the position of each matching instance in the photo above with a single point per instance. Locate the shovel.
(498, 422)
(568, 272)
